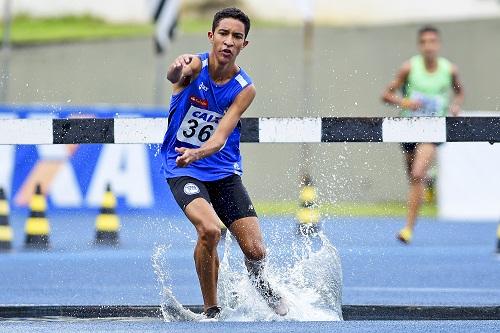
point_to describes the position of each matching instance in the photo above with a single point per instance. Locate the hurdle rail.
(261, 130)
(349, 312)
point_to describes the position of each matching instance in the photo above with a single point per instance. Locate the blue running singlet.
(193, 117)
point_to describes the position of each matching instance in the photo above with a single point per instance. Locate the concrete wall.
(330, 11)
(111, 10)
(374, 11)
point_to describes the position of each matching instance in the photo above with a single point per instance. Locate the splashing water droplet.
(307, 274)
(171, 309)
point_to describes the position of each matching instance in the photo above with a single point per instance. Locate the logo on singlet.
(203, 103)
(191, 189)
(202, 87)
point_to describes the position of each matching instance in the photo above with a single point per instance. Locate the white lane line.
(424, 290)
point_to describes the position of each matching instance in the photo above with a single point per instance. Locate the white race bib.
(198, 126)
(431, 105)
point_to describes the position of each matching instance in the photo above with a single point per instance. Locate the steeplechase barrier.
(256, 130)
(150, 130)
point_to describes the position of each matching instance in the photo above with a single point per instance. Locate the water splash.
(171, 308)
(311, 282)
(308, 274)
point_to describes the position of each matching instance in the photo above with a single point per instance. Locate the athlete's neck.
(430, 64)
(221, 73)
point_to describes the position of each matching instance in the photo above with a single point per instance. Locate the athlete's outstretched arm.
(225, 128)
(458, 89)
(390, 95)
(182, 70)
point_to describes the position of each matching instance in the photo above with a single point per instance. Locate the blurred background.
(312, 58)
(308, 58)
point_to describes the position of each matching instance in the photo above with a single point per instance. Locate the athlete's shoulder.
(243, 78)
(445, 62)
(415, 60)
(405, 68)
(446, 66)
(203, 58)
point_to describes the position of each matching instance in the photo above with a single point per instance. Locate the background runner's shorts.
(228, 196)
(409, 147)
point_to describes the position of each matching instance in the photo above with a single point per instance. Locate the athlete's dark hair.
(427, 28)
(234, 13)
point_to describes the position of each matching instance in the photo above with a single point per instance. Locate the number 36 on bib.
(198, 126)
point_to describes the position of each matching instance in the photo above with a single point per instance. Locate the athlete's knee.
(417, 175)
(209, 235)
(256, 253)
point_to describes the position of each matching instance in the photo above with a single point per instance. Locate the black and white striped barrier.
(264, 130)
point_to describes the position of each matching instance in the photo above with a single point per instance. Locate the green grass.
(26, 30)
(191, 25)
(390, 209)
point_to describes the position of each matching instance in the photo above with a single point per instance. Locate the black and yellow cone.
(430, 185)
(37, 226)
(429, 190)
(107, 223)
(6, 233)
(308, 215)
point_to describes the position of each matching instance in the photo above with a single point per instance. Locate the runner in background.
(425, 80)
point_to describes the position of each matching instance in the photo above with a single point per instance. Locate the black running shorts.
(228, 196)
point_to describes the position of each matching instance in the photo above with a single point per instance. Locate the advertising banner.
(76, 176)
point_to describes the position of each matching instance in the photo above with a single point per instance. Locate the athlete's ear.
(211, 37)
(245, 43)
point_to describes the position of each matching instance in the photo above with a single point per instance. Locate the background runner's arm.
(182, 71)
(458, 89)
(225, 128)
(390, 94)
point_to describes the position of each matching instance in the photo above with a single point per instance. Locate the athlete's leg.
(424, 155)
(409, 158)
(193, 197)
(207, 224)
(247, 232)
(409, 149)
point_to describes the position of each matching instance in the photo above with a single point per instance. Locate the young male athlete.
(426, 80)
(201, 155)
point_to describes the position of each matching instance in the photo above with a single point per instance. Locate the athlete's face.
(429, 44)
(228, 40)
